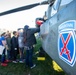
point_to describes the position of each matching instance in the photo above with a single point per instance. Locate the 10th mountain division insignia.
(66, 42)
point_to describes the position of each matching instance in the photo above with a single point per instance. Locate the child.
(4, 44)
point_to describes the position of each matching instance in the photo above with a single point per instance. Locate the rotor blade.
(19, 9)
(22, 8)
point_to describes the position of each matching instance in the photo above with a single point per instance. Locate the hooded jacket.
(30, 37)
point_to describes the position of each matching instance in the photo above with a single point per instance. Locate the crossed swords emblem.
(65, 43)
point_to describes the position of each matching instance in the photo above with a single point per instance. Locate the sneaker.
(6, 61)
(21, 62)
(3, 64)
(33, 66)
(14, 61)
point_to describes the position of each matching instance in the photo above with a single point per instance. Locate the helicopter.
(59, 35)
(58, 31)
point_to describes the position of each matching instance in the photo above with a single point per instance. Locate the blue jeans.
(3, 57)
(29, 57)
(8, 55)
(22, 53)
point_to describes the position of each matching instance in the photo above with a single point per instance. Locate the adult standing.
(29, 42)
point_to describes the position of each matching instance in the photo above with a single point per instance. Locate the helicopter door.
(64, 3)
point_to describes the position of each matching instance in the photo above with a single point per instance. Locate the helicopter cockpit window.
(55, 7)
(59, 4)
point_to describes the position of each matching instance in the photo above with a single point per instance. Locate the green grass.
(47, 67)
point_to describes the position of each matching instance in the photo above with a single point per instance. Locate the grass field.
(47, 67)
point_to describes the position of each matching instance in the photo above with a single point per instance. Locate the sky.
(19, 19)
(22, 18)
